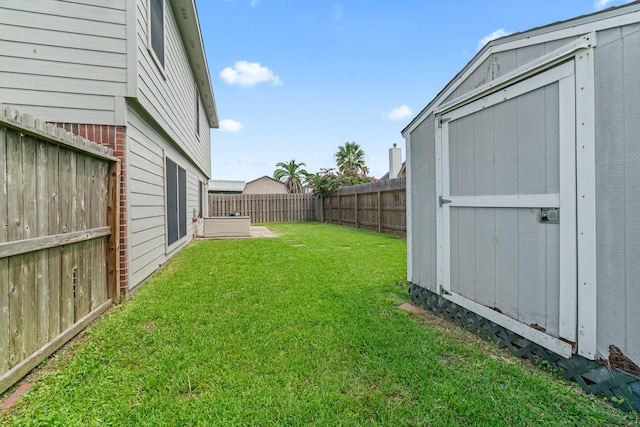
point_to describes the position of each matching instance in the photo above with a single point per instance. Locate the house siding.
(147, 148)
(169, 94)
(63, 61)
(617, 73)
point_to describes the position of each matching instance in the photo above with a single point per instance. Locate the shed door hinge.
(443, 201)
(441, 121)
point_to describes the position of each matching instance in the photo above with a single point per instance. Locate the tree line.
(351, 169)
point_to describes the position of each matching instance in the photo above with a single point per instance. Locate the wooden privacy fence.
(58, 239)
(264, 207)
(379, 206)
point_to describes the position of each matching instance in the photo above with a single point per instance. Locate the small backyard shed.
(265, 185)
(523, 187)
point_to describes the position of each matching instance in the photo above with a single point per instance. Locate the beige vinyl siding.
(169, 94)
(63, 61)
(147, 148)
(265, 185)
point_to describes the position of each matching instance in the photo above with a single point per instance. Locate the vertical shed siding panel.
(454, 214)
(552, 185)
(610, 190)
(532, 177)
(503, 62)
(631, 75)
(484, 167)
(507, 266)
(506, 168)
(506, 152)
(527, 54)
(423, 204)
(618, 172)
(531, 268)
(465, 248)
(485, 218)
(531, 144)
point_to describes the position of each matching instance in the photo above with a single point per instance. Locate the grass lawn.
(302, 329)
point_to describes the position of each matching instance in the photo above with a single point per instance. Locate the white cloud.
(398, 113)
(228, 125)
(495, 35)
(249, 74)
(253, 3)
(601, 4)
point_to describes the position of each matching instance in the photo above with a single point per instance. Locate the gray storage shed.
(523, 186)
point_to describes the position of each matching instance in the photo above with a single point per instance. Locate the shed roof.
(268, 178)
(226, 185)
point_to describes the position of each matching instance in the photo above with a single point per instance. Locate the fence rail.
(264, 208)
(378, 206)
(58, 251)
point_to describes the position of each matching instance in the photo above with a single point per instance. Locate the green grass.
(302, 329)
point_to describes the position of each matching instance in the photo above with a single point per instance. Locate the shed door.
(507, 238)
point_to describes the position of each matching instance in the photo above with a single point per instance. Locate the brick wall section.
(115, 138)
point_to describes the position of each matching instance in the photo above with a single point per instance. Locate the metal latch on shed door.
(549, 216)
(443, 201)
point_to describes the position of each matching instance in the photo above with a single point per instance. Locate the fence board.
(4, 314)
(264, 208)
(57, 194)
(4, 263)
(16, 319)
(29, 218)
(4, 219)
(42, 224)
(378, 206)
(53, 255)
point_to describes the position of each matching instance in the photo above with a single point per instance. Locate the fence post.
(113, 241)
(379, 211)
(356, 208)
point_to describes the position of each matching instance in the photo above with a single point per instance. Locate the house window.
(197, 111)
(200, 200)
(156, 29)
(176, 194)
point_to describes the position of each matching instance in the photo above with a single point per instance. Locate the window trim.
(160, 63)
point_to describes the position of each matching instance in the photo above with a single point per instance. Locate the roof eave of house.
(189, 26)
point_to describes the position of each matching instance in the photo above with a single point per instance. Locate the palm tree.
(351, 156)
(292, 174)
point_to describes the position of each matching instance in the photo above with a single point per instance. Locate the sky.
(295, 79)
